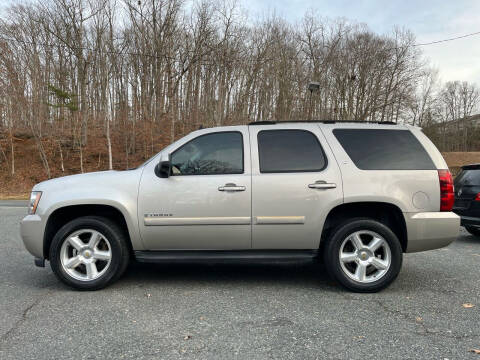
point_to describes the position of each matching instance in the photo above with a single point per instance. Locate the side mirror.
(163, 169)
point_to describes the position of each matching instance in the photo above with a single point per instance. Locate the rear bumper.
(470, 221)
(431, 230)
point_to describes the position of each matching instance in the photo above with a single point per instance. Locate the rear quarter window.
(383, 149)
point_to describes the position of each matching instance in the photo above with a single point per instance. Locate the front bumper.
(431, 230)
(31, 231)
(470, 221)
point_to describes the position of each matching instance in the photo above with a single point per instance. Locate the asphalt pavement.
(239, 311)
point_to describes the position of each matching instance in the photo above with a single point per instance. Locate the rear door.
(467, 187)
(295, 183)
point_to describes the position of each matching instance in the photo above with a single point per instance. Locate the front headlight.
(34, 199)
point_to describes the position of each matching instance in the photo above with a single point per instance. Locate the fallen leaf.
(475, 351)
(468, 305)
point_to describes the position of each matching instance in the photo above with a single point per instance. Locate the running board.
(225, 256)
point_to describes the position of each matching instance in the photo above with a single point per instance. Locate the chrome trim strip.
(280, 220)
(170, 221)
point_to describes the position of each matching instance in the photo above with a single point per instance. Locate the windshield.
(145, 163)
(149, 159)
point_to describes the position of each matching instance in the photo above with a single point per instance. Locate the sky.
(429, 20)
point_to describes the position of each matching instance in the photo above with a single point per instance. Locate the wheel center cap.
(87, 254)
(363, 256)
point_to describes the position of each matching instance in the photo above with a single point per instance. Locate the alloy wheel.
(365, 256)
(85, 255)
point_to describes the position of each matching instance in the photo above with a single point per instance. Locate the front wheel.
(475, 231)
(89, 253)
(363, 255)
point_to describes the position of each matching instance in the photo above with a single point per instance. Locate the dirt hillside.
(29, 170)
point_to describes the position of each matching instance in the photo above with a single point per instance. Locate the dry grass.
(22, 196)
(30, 170)
(458, 159)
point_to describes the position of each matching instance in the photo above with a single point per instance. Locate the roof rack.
(262, 123)
(322, 122)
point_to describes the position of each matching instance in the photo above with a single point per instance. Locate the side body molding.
(169, 221)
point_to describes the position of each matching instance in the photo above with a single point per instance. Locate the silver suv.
(356, 195)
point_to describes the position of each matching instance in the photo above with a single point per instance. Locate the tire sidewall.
(332, 252)
(107, 229)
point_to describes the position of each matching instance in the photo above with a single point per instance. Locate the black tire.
(475, 231)
(331, 254)
(119, 251)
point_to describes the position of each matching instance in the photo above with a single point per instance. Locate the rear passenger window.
(289, 151)
(379, 149)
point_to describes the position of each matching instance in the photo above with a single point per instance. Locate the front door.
(295, 183)
(206, 202)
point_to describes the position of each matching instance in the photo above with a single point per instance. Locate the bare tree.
(139, 74)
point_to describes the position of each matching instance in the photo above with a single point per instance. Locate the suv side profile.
(467, 198)
(356, 195)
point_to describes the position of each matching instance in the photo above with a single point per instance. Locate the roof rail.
(262, 123)
(322, 122)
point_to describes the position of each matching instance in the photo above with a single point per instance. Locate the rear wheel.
(89, 253)
(363, 255)
(475, 231)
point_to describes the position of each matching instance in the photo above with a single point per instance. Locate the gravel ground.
(245, 312)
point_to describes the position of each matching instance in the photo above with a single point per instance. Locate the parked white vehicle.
(356, 195)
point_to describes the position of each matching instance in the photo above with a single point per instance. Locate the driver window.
(210, 154)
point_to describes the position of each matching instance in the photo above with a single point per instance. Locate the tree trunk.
(109, 145)
(12, 169)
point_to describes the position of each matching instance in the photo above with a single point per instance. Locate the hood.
(86, 179)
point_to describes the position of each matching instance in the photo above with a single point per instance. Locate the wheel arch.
(386, 213)
(65, 214)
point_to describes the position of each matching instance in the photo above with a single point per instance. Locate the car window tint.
(468, 177)
(379, 149)
(211, 154)
(289, 151)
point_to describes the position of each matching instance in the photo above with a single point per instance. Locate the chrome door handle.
(322, 185)
(231, 187)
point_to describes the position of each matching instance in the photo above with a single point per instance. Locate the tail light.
(477, 198)
(447, 196)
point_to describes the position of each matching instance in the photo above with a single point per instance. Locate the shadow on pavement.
(468, 239)
(292, 274)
